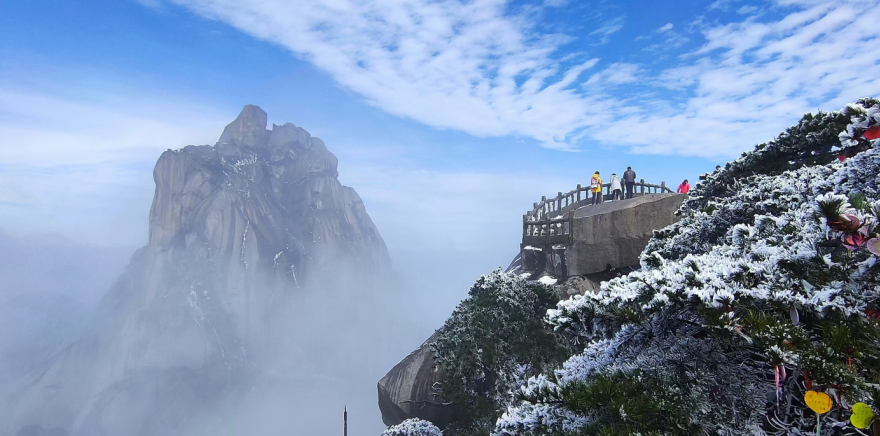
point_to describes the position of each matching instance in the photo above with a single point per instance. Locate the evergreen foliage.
(494, 341)
(813, 141)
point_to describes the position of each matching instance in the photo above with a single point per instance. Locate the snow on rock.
(413, 427)
(547, 280)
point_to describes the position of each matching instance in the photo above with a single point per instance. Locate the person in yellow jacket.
(596, 188)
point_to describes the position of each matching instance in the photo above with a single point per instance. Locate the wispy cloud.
(71, 131)
(478, 67)
(670, 39)
(447, 63)
(748, 10)
(722, 5)
(616, 74)
(603, 33)
(752, 78)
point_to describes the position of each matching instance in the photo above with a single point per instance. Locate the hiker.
(616, 190)
(684, 187)
(629, 179)
(717, 168)
(596, 188)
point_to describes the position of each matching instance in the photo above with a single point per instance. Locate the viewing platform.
(568, 235)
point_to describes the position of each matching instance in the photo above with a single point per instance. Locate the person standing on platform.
(629, 179)
(684, 187)
(596, 188)
(616, 189)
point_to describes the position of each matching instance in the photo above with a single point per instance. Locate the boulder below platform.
(407, 391)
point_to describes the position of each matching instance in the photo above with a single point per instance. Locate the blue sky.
(449, 117)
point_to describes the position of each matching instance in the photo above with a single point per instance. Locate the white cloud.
(723, 5)
(72, 131)
(752, 79)
(664, 28)
(476, 67)
(607, 29)
(448, 64)
(616, 74)
(748, 10)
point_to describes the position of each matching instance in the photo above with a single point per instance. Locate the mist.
(48, 286)
(344, 335)
(334, 339)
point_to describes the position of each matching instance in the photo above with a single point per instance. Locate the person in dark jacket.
(629, 179)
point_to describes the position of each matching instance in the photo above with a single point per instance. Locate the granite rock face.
(407, 391)
(235, 230)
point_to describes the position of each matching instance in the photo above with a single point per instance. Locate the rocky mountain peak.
(284, 180)
(237, 231)
(248, 129)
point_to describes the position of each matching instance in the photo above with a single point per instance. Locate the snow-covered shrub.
(413, 427)
(494, 341)
(750, 300)
(816, 141)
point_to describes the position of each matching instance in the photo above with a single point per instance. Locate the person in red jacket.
(684, 187)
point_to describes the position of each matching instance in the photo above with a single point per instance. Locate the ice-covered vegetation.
(493, 342)
(767, 288)
(413, 427)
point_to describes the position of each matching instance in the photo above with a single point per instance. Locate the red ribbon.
(873, 132)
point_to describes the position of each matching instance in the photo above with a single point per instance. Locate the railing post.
(525, 224)
(547, 235)
(559, 201)
(642, 186)
(663, 187)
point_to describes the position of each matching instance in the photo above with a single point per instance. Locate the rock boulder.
(407, 391)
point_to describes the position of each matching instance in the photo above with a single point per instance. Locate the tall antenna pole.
(345, 421)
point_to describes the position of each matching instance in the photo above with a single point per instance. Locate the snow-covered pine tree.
(494, 341)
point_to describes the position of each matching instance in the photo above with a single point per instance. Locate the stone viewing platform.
(568, 236)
